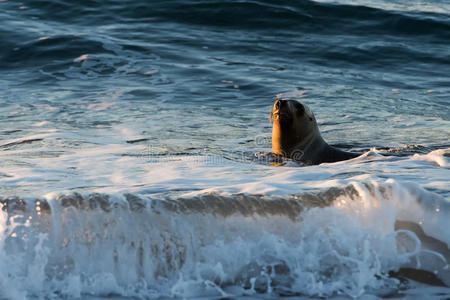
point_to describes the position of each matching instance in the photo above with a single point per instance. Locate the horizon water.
(135, 141)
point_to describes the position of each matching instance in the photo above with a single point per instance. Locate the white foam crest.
(441, 157)
(112, 246)
(413, 5)
(28, 264)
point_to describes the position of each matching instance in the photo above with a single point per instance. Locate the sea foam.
(339, 241)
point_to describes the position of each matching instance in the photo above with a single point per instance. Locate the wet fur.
(295, 135)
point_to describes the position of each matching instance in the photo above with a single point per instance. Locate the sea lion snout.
(281, 109)
(287, 106)
(279, 103)
(287, 110)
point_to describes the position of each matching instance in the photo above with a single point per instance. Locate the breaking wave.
(339, 241)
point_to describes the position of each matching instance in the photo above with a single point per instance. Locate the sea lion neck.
(286, 138)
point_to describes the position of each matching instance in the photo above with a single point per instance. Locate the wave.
(248, 14)
(71, 48)
(48, 49)
(70, 56)
(339, 241)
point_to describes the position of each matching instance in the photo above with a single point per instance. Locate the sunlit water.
(133, 147)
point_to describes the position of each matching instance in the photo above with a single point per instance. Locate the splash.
(339, 241)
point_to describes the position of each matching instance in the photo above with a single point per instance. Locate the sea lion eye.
(300, 108)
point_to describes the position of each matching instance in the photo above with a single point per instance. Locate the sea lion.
(295, 135)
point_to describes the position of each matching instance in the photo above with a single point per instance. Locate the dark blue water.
(190, 47)
(351, 59)
(88, 86)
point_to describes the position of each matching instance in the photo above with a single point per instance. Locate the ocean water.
(134, 141)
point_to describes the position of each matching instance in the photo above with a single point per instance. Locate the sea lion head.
(294, 128)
